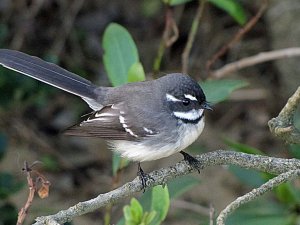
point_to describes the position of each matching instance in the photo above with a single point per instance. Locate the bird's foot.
(144, 177)
(193, 162)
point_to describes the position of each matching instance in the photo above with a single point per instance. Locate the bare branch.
(283, 125)
(162, 176)
(255, 193)
(66, 27)
(238, 36)
(256, 59)
(31, 186)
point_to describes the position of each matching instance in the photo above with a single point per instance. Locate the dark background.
(69, 33)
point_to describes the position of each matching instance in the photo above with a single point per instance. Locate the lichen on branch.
(283, 125)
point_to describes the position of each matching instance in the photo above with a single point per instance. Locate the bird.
(142, 121)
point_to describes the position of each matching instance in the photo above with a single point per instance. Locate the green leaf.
(136, 209)
(160, 202)
(133, 213)
(136, 73)
(127, 214)
(219, 90)
(242, 147)
(120, 53)
(3, 145)
(181, 185)
(149, 217)
(175, 2)
(233, 8)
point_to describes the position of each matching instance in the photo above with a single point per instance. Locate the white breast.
(139, 151)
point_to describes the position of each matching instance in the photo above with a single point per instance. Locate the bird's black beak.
(206, 105)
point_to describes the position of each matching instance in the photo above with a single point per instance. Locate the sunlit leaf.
(120, 53)
(136, 72)
(160, 202)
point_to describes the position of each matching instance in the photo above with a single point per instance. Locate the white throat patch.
(189, 115)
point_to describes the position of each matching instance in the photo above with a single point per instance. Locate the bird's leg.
(144, 177)
(195, 163)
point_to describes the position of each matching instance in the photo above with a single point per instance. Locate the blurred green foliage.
(284, 208)
(175, 2)
(233, 8)
(9, 185)
(262, 212)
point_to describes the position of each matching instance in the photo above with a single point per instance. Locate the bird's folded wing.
(111, 123)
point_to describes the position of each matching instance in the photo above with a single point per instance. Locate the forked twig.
(237, 37)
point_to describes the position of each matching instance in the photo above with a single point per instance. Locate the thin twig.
(66, 27)
(283, 125)
(255, 193)
(257, 162)
(27, 15)
(256, 59)
(170, 35)
(211, 214)
(237, 37)
(192, 34)
(31, 186)
(34, 178)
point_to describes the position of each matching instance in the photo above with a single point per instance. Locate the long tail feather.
(48, 73)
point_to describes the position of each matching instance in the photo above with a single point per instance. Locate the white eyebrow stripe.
(189, 115)
(172, 98)
(190, 97)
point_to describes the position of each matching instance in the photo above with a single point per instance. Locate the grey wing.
(51, 74)
(111, 123)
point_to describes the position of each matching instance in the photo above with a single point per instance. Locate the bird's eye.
(186, 102)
